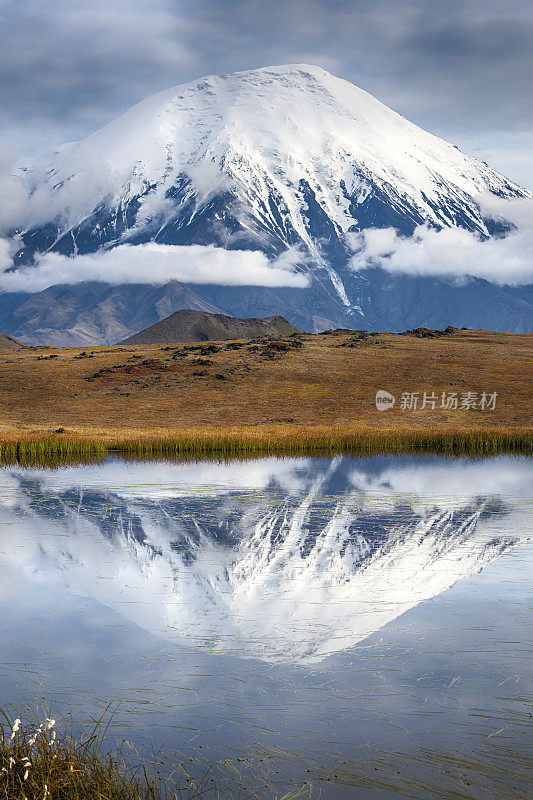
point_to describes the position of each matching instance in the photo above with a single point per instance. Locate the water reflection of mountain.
(289, 560)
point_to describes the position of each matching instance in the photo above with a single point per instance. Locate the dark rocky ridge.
(200, 326)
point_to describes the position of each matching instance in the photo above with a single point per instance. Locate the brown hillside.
(7, 343)
(266, 388)
(199, 326)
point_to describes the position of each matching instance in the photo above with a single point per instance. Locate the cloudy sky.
(460, 68)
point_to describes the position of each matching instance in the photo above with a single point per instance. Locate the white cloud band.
(157, 264)
(455, 252)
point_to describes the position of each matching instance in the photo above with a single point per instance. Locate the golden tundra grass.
(35, 764)
(314, 399)
(239, 444)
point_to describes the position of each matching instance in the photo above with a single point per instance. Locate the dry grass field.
(298, 389)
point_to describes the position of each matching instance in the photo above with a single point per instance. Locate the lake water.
(360, 624)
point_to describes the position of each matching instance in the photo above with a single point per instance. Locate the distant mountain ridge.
(262, 160)
(199, 326)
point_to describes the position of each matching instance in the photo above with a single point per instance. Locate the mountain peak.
(269, 130)
(287, 160)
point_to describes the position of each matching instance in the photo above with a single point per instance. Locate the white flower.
(26, 774)
(46, 792)
(15, 728)
(50, 723)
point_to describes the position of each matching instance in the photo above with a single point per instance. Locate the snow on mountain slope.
(259, 134)
(271, 559)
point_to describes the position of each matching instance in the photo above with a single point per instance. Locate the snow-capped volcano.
(286, 159)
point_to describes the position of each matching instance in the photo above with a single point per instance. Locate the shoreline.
(36, 445)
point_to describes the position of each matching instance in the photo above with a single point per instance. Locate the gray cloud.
(83, 60)
(456, 67)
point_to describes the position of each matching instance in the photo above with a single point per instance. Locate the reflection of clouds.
(166, 479)
(447, 483)
(206, 553)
